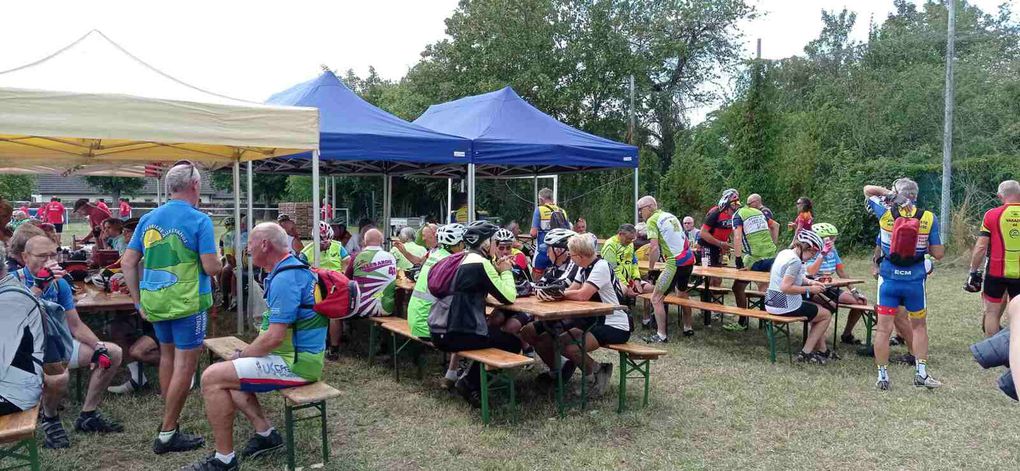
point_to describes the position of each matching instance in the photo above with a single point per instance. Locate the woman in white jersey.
(787, 289)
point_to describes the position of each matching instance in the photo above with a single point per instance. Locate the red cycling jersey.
(1002, 226)
(719, 223)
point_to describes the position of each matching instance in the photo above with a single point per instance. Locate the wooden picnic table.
(91, 298)
(552, 312)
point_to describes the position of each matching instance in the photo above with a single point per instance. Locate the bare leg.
(176, 394)
(249, 405)
(218, 381)
(993, 317)
(904, 329)
(145, 350)
(100, 377)
(815, 341)
(846, 298)
(542, 343)
(54, 392)
(740, 293)
(1013, 314)
(571, 351)
(920, 338)
(336, 330)
(882, 335)
(659, 307)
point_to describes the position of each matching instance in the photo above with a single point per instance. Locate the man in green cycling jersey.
(618, 250)
(754, 248)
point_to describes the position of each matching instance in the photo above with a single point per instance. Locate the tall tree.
(16, 187)
(116, 186)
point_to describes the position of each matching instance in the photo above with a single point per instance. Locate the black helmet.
(478, 232)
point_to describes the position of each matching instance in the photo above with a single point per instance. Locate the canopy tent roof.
(356, 137)
(94, 102)
(90, 170)
(509, 136)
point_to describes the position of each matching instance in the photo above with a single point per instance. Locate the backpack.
(336, 296)
(441, 275)
(440, 285)
(59, 342)
(903, 244)
(557, 218)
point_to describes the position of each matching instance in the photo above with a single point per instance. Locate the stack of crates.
(301, 214)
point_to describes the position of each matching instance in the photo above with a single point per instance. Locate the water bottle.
(704, 257)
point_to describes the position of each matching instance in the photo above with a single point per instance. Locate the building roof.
(57, 185)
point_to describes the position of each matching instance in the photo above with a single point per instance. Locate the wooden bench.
(773, 323)
(19, 429)
(868, 315)
(634, 357)
(495, 374)
(312, 396)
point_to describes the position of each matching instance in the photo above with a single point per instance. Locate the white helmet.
(808, 237)
(558, 237)
(503, 235)
(450, 234)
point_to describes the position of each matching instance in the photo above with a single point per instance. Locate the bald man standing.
(375, 272)
(667, 237)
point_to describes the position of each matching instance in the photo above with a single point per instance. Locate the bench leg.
(623, 383)
(869, 324)
(24, 453)
(323, 432)
(485, 394)
(373, 340)
(288, 419)
(396, 364)
(835, 325)
(33, 453)
(770, 332)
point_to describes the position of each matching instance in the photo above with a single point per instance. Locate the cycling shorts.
(907, 293)
(185, 333)
(996, 288)
(541, 261)
(673, 278)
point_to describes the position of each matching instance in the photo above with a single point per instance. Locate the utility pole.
(633, 139)
(947, 132)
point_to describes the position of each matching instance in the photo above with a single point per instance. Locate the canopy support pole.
(556, 188)
(250, 224)
(315, 208)
(534, 184)
(449, 200)
(332, 196)
(238, 250)
(387, 201)
(471, 192)
(635, 195)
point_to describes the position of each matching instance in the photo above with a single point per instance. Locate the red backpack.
(905, 233)
(336, 296)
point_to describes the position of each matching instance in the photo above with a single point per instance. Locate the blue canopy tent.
(510, 137)
(358, 138)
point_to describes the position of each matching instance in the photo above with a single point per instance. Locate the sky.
(253, 49)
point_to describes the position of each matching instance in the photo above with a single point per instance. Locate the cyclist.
(718, 225)
(547, 216)
(787, 289)
(754, 247)
(999, 239)
(822, 267)
(902, 283)
(619, 252)
(451, 240)
(668, 237)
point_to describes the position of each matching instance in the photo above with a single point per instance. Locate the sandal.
(849, 339)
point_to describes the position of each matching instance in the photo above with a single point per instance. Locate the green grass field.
(717, 403)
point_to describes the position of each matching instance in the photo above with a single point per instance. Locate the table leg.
(706, 297)
(558, 366)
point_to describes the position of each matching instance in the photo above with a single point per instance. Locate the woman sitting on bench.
(787, 289)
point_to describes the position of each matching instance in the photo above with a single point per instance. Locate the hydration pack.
(905, 233)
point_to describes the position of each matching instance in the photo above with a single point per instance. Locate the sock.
(268, 432)
(50, 419)
(922, 369)
(883, 373)
(661, 334)
(166, 436)
(88, 414)
(135, 369)
(451, 375)
(225, 459)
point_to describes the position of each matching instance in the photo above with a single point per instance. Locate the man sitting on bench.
(282, 356)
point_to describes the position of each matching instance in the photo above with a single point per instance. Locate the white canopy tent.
(94, 108)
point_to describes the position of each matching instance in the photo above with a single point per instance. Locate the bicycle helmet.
(450, 234)
(478, 232)
(558, 238)
(228, 221)
(550, 292)
(809, 237)
(730, 195)
(504, 235)
(824, 229)
(325, 231)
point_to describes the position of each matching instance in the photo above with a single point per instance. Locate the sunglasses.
(190, 164)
